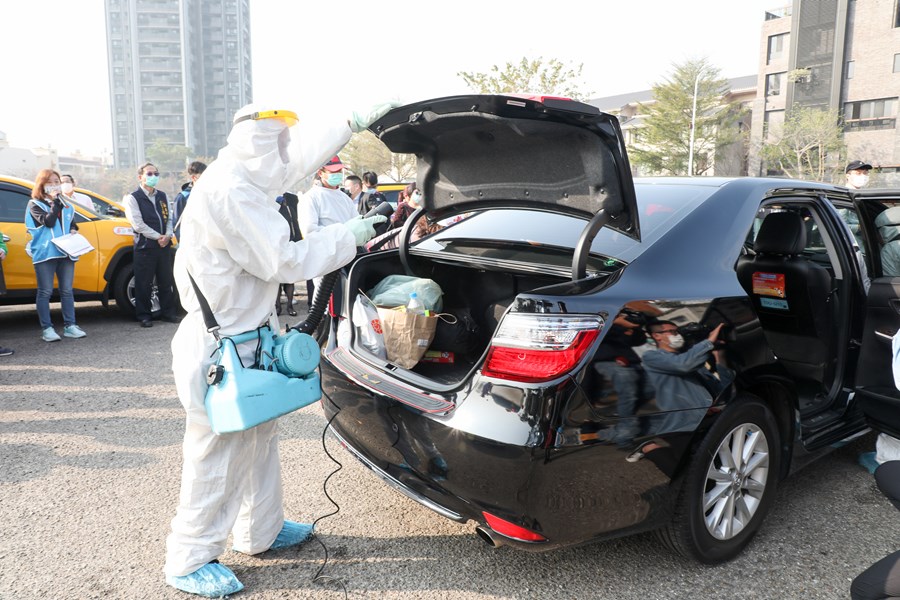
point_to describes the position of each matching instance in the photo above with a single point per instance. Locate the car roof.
(17, 180)
(30, 185)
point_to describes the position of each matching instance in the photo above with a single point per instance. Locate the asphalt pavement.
(90, 462)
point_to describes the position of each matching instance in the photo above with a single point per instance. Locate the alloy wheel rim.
(155, 306)
(735, 481)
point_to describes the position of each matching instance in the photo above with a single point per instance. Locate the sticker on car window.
(769, 284)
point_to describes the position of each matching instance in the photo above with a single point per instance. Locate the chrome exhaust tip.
(488, 536)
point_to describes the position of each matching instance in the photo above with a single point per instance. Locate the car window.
(851, 218)
(819, 247)
(660, 206)
(887, 232)
(12, 206)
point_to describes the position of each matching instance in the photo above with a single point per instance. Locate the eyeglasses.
(151, 174)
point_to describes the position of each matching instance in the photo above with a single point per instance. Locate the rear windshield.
(660, 208)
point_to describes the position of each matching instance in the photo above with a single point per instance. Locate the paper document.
(73, 244)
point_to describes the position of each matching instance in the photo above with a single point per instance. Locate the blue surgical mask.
(335, 179)
(151, 180)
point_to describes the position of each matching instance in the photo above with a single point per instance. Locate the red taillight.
(534, 348)
(511, 530)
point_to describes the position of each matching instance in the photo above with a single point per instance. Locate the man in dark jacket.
(195, 170)
(371, 197)
(147, 209)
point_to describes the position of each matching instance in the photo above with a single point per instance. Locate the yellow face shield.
(288, 117)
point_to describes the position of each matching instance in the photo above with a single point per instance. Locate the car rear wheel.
(730, 485)
(123, 292)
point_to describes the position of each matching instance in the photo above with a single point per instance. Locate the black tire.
(738, 495)
(123, 292)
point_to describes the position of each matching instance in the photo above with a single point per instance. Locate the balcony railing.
(870, 124)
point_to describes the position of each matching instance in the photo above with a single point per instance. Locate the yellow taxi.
(103, 206)
(101, 274)
(392, 191)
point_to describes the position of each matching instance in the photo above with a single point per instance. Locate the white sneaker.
(73, 331)
(49, 335)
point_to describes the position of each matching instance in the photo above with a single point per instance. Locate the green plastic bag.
(394, 290)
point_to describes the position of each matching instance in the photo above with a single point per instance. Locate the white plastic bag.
(368, 326)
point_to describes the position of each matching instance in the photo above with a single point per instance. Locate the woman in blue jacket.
(50, 216)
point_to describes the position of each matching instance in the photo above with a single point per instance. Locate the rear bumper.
(397, 485)
(491, 454)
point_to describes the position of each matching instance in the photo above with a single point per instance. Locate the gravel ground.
(90, 460)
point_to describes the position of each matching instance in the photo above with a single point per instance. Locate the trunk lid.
(501, 151)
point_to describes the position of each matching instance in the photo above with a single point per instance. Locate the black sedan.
(627, 356)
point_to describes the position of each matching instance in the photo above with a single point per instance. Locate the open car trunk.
(473, 295)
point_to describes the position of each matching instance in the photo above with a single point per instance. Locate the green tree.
(171, 159)
(536, 76)
(365, 152)
(112, 183)
(662, 144)
(810, 145)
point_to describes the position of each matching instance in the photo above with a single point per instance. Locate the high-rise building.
(178, 71)
(842, 55)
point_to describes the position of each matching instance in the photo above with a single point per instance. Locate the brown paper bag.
(406, 335)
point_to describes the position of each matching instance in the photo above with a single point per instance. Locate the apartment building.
(178, 71)
(730, 161)
(833, 54)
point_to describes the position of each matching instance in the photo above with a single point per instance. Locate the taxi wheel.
(123, 292)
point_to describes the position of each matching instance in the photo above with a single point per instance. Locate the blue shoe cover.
(867, 459)
(292, 534)
(211, 580)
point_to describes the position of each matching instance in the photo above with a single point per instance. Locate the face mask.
(676, 341)
(50, 190)
(416, 199)
(67, 188)
(859, 181)
(151, 180)
(335, 179)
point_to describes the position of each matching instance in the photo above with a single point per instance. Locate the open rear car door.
(876, 392)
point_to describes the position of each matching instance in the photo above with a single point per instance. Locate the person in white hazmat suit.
(237, 247)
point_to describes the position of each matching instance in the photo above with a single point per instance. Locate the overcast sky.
(348, 54)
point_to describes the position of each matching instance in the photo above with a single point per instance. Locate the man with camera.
(685, 378)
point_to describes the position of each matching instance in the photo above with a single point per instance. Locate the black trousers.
(149, 263)
(882, 580)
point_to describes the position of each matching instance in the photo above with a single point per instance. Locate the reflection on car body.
(537, 443)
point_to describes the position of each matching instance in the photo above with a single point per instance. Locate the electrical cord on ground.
(319, 577)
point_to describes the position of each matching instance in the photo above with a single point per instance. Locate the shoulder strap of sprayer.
(212, 325)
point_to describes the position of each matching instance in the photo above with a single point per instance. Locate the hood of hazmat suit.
(235, 243)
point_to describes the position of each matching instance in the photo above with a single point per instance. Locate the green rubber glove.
(360, 121)
(364, 229)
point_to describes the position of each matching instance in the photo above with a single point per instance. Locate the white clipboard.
(73, 244)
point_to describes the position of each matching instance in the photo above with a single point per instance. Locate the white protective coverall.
(238, 249)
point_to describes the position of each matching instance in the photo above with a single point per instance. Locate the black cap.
(857, 164)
